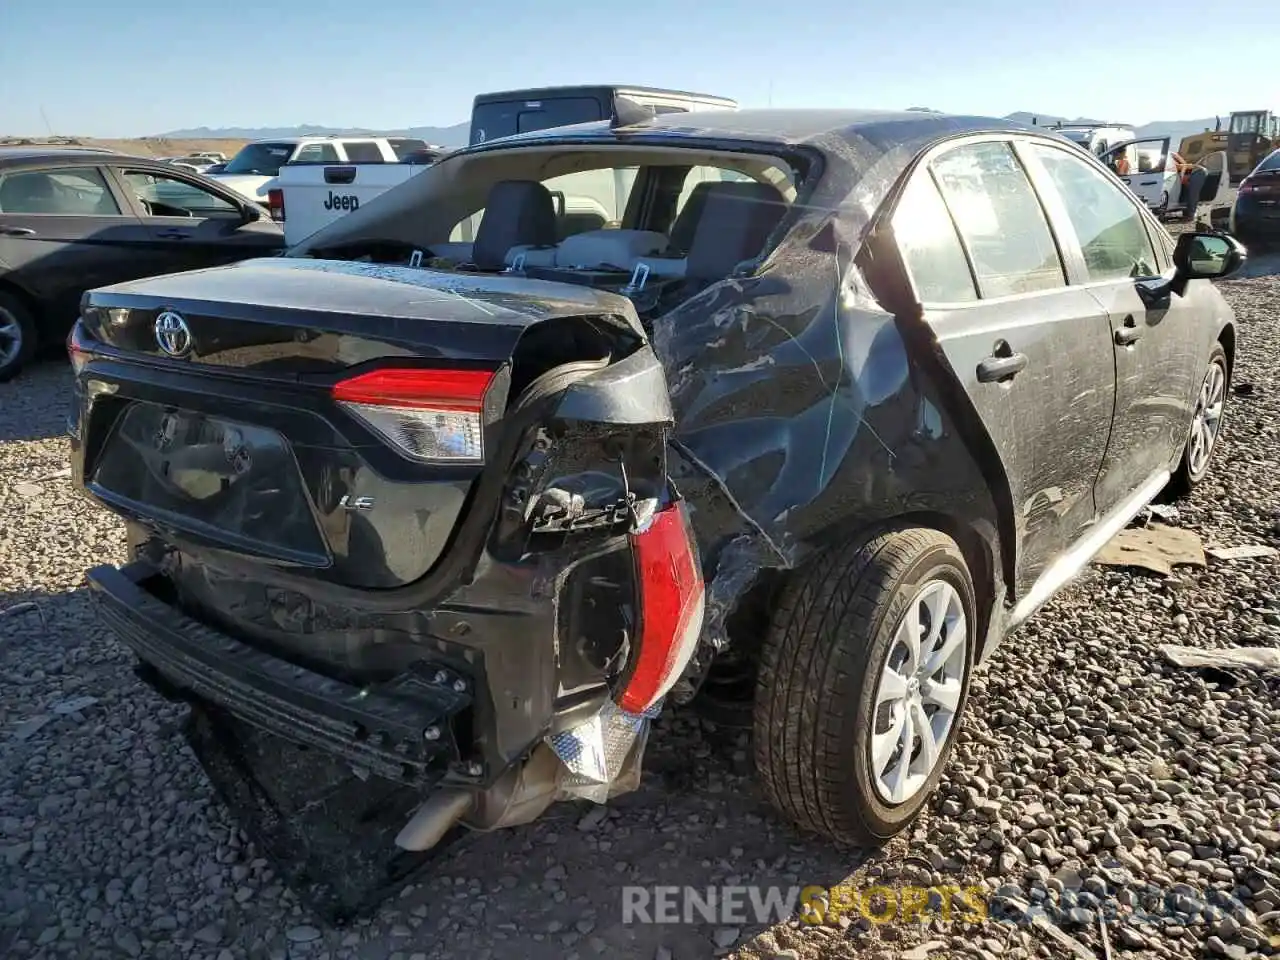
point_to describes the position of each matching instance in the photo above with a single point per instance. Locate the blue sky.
(135, 67)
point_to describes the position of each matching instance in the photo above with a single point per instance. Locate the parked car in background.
(252, 171)
(1096, 138)
(75, 219)
(214, 168)
(213, 156)
(422, 504)
(1150, 169)
(1255, 216)
(508, 112)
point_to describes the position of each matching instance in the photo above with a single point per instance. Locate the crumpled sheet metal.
(779, 379)
(596, 752)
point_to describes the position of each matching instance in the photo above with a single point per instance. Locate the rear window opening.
(650, 223)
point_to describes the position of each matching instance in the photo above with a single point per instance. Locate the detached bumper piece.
(399, 730)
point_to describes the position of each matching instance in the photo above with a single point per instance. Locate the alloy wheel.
(10, 337)
(918, 694)
(1207, 422)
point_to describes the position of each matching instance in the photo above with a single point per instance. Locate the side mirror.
(1206, 255)
(251, 213)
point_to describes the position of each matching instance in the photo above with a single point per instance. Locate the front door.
(1033, 354)
(1154, 340)
(1147, 167)
(64, 231)
(192, 226)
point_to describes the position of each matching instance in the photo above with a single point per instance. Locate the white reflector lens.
(448, 435)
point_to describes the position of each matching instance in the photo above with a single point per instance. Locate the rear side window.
(1271, 163)
(1110, 229)
(1000, 220)
(67, 191)
(363, 152)
(929, 244)
(316, 153)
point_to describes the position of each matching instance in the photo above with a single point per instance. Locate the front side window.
(1110, 229)
(1000, 219)
(929, 245)
(166, 196)
(67, 191)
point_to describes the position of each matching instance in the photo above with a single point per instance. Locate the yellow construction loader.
(1250, 136)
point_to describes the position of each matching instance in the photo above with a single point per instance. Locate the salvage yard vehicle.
(1153, 173)
(311, 194)
(1097, 138)
(253, 170)
(852, 393)
(1255, 216)
(73, 219)
(508, 112)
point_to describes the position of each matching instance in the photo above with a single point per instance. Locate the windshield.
(263, 159)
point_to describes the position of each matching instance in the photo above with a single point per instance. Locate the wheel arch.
(1227, 337)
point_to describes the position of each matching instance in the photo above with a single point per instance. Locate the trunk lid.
(332, 416)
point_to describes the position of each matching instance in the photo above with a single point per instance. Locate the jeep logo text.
(345, 201)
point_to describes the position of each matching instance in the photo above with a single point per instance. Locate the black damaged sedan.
(458, 492)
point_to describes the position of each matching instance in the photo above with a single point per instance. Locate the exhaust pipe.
(518, 797)
(436, 817)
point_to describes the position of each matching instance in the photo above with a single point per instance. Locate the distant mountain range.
(456, 135)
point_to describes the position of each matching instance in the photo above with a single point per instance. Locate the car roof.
(73, 156)
(38, 152)
(772, 127)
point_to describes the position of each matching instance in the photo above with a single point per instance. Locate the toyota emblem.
(172, 334)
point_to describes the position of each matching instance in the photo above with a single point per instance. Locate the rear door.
(1032, 353)
(1154, 341)
(64, 230)
(1148, 169)
(192, 224)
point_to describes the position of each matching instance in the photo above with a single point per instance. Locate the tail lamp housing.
(275, 204)
(671, 607)
(428, 415)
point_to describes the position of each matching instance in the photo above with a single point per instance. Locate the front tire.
(863, 680)
(17, 336)
(1206, 424)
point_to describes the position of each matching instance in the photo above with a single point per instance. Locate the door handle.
(174, 235)
(1130, 333)
(17, 231)
(997, 368)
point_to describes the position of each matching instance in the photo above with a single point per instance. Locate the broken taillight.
(671, 608)
(428, 415)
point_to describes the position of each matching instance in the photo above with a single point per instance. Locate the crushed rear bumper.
(400, 730)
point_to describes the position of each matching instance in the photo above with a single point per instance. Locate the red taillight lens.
(429, 415)
(77, 349)
(275, 204)
(671, 608)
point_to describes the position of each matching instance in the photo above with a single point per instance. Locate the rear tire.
(17, 336)
(836, 634)
(1206, 424)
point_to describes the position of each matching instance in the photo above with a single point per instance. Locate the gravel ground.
(1089, 773)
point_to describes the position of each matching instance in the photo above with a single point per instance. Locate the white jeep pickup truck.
(307, 195)
(252, 172)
